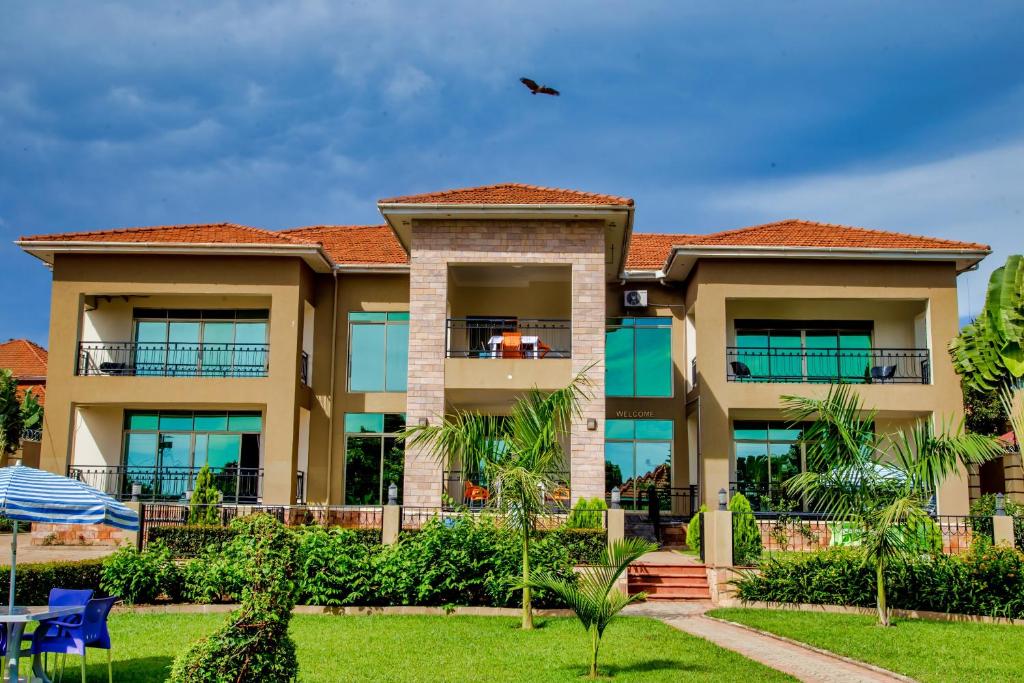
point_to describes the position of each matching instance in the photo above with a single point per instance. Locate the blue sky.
(902, 116)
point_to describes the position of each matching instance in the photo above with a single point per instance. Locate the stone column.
(588, 326)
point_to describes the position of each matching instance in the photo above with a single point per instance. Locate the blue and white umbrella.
(31, 495)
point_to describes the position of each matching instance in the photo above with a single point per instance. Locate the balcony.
(236, 485)
(825, 366)
(172, 359)
(508, 338)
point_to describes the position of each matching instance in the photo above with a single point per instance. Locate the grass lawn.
(925, 650)
(396, 648)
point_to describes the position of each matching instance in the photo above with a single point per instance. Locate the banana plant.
(593, 596)
(989, 352)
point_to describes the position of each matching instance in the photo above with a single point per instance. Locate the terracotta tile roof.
(23, 358)
(649, 251)
(354, 244)
(511, 193)
(38, 390)
(209, 233)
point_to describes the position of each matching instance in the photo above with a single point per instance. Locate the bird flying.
(534, 88)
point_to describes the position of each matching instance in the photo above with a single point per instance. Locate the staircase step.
(674, 570)
(676, 593)
(651, 582)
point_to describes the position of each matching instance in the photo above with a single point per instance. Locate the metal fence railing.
(861, 366)
(508, 338)
(172, 359)
(473, 492)
(236, 484)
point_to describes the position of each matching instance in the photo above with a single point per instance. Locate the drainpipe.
(330, 391)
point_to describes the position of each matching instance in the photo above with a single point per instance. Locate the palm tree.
(593, 595)
(881, 484)
(517, 456)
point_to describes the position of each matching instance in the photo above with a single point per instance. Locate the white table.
(528, 344)
(16, 623)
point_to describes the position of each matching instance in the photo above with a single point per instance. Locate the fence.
(347, 517)
(415, 518)
(462, 490)
(172, 359)
(864, 366)
(486, 338)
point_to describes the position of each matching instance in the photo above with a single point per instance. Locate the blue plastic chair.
(73, 636)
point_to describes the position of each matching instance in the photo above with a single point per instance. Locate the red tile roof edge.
(75, 235)
(568, 195)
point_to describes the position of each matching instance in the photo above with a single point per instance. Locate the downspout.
(331, 385)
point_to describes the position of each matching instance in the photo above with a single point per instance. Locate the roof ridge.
(328, 226)
(841, 226)
(153, 228)
(496, 186)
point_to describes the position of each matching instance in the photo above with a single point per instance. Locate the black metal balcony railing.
(496, 338)
(812, 366)
(474, 491)
(237, 485)
(172, 359)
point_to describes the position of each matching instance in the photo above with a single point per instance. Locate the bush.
(746, 535)
(587, 514)
(254, 644)
(584, 546)
(202, 508)
(140, 576)
(191, 541)
(693, 529)
(335, 568)
(34, 581)
(984, 582)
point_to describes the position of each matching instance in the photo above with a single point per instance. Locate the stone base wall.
(79, 534)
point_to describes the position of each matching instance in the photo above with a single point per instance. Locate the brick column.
(428, 286)
(588, 327)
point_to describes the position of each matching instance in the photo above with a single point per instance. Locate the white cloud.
(975, 197)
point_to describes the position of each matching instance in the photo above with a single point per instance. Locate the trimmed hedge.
(194, 540)
(988, 581)
(34, 581)
(583, 545)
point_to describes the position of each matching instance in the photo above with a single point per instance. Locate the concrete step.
(677, 594)
(669, 581)
(691, 570)
(653, 582)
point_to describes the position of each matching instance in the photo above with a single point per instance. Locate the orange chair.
(474, 494)
(512, 345)
(543, 349)
(560, 495)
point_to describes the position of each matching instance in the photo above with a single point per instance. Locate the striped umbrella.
(31, 495)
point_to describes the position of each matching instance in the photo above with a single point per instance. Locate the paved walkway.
(48, 553)
(802, 663)
(670, 557)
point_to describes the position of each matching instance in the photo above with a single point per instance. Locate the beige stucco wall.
(438, 243)
(215, 281)
(716, 285)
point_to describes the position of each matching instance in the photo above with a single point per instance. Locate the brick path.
(800, 662)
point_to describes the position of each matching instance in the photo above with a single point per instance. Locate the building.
(27, 362)
(288, 360)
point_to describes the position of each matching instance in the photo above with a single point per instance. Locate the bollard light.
(1000, 505)
(616, 498)
(722, 499)
(393, 494)
(136, 492)
(188, 494)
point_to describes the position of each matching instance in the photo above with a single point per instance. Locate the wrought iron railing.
(496, 338)
(813, 366)
(172, 359)
(31, 434)
(236, 484)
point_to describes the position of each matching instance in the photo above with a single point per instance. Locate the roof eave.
(372, 268)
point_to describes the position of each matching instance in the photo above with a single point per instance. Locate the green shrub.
(35, 580)
(190, 541)
(202, 507)
(335, 567)
(253, 645)
(583, 545)
(693, 529)
(746, 535)
(587, 514)
(984, 582)
(985, 507)
(140, 576)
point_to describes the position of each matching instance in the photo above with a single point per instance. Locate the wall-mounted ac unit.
(636, 298)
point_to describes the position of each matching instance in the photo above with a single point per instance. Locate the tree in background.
(989, 353)
(202, 508)
(517, 456)
(11, 420)
(879, 484)
(983, 410)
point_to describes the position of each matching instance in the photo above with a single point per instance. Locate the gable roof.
(653, 250)
(511, 194)
(354, 244)
(203, 233)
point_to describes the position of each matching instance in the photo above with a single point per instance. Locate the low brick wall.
(79, 534)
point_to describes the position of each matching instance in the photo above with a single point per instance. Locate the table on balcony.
(530, 344)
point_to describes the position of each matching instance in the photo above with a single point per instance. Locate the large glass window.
(194, 343)
(802, 352)
(637, 455)
(378, 358)
(163, 451)
(767, 455)
(374, 458)
(638, 357)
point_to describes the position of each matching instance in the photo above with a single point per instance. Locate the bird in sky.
(534, 88)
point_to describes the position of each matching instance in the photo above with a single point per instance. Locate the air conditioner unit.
(636, 298)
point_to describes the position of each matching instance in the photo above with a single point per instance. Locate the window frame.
(386, 321)
(618, 325)
(126, 431)
(634, 441)
(382, 436)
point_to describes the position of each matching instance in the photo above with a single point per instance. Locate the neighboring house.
(27, 362)
(288, 360)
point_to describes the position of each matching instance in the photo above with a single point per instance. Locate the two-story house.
(288, 360)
